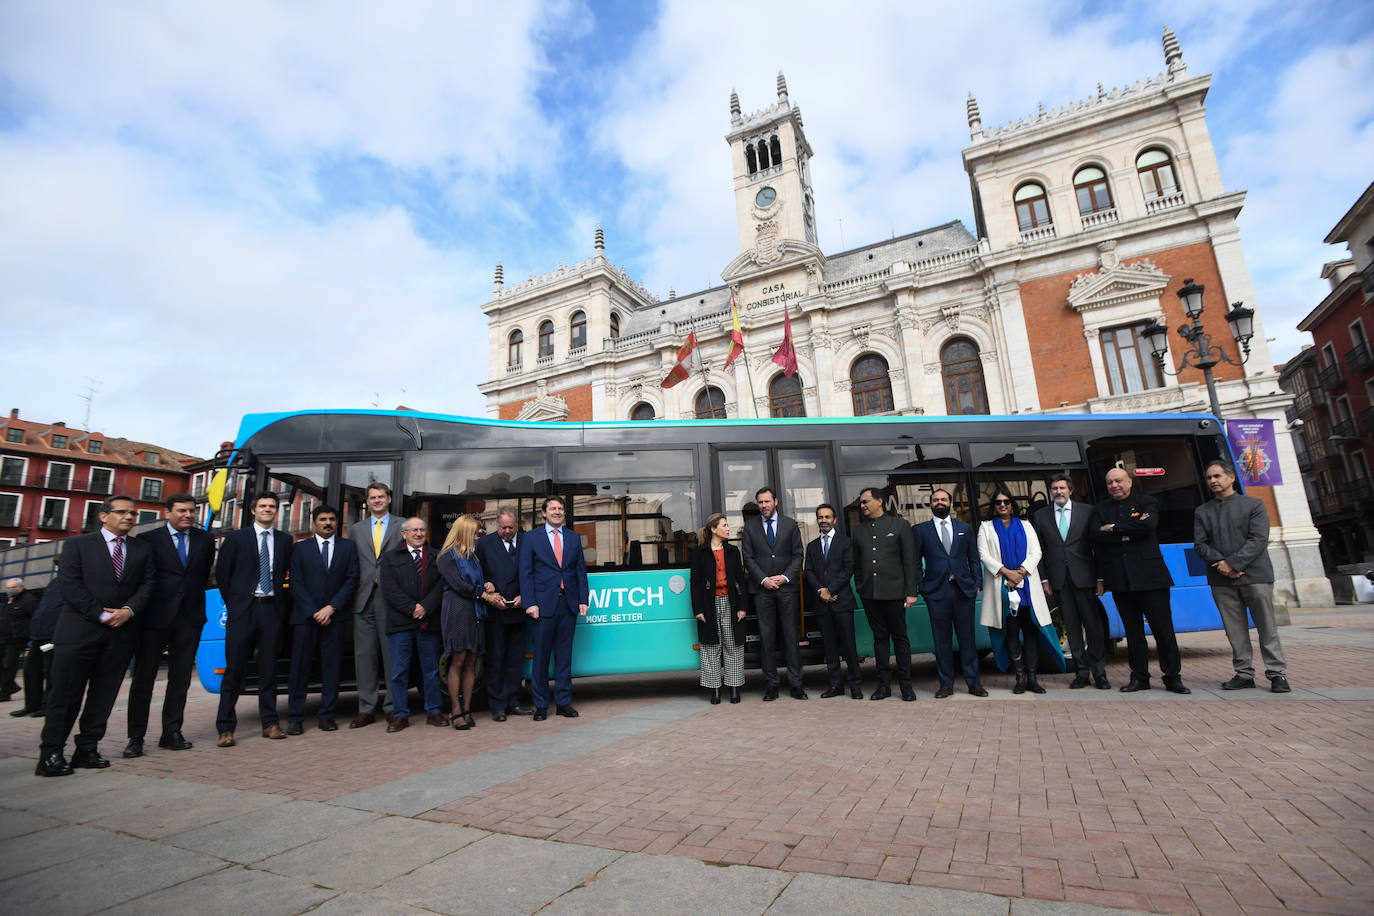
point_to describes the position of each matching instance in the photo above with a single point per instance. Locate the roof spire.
(1173, 54)
(500, 276)
(735, 117)
(600, 243)
(782, 87)
(975, 120)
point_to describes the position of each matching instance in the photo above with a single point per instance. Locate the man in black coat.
(324, 577)
(886, 575)
(172, 623)
(1067, 569)
(106, 579)
(16, 610)
(829, 568)
(1126, 542)
(499, 554)
(38, 663)
(772, 545)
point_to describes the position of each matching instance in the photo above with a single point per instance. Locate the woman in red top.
(719, 600)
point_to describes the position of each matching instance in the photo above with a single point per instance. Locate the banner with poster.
(1257, 460)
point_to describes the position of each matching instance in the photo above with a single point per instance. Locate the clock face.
(765, 197)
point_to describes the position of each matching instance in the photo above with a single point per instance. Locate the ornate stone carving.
(842, 384)
(950, 313)
(1116, 285)
(989, 356)
(896, 374)
(907, 320)
(544, 407)
(934, 368)
(761, 406)
(821, 340)
(861, 333)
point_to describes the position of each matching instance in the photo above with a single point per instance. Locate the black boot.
(715, 696)
(734, 694)
(1020, 667)
(1032, 656)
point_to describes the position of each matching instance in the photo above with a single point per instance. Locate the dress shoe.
(88, 760)
(1238, 683)
(437, 720)
(1135, 685)
(361, 719)
(328, 725)
(1033, 685)
(770, 694)
(498, 716)
(1279, 684)
(16, 713)
(833, 692)
(944, 693)
(882, 693)
(908, 695)
(541, 713)
(274, 732)
(226, 739)
(798, 693)
(1176, 687)
(53, 765)
(855, 693)
(734, 695)
(397, 724)
(568, 712)
(174, 741)
(134, 748)
(715, 696)
(1102, 684)
(1079, 682)
(520, 710)
(294, 728)
(978, 690)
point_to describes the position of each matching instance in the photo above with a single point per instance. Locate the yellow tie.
(377, 537)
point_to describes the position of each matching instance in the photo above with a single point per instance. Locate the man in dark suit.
(829, 567)
(324, 576)
(950, 575)
(772, 545)
(553, 579)
(1124, 533)
(413, 590)
(16, 611)
(38, 662)
(374, 535)
(498, 553)
(1067, 569)
(172, 623)
(251, 572)
(886, 576)
(106, 579)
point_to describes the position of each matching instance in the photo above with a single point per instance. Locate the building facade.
(1088, 220)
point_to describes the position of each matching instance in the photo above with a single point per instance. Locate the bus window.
(356, 478)
(907, 495)
(639, 524)
(1038, 452)
(300, 487)
(625, 464)
(1166, 468)
(901, 457)
(477, 472)
(1031, 490)
(803, 487)
(741, 475)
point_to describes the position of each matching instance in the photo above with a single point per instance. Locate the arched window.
(515, 346)
(763, 154)
(775, 148)
(578, 337)
(711, 404)
(1032, 206)
(870, 384)
(751, 162)
(1157, 178)
(1090, 186)
(962, 372)
(546, 339)
(615, 325)
(642, 411)
(785, 397)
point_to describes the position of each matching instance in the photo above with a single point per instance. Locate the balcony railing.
(1304, 460)
(1100, 218)
(1367, 278)
(1367, 421)
(1348, 497)
(1309, 399)
(1359, 358)
(1038, 234)
(1167, 202)
(1344, 430)
(1331, 378)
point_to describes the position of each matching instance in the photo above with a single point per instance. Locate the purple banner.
(1257, 460)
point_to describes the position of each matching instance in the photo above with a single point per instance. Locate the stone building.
(1088, 220)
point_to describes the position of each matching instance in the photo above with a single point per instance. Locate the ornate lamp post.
(1201, 353)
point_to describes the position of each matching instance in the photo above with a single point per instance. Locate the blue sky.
(277, 206)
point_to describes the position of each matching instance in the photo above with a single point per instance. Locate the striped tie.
(264, 566)
(118, 557)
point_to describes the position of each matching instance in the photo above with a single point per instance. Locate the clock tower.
(771, 159)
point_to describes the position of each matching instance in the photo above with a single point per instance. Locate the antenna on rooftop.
(89, 397)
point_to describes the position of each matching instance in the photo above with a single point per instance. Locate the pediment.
(770, 254)
(1117, 285)
(548, 408)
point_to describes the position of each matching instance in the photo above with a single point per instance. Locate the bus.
(637, 493)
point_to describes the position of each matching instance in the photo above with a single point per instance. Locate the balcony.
(1308, 400)
(1100, 218)
(1038, 234)
(1167, 202)
(1359, 358)
(1331, 378)
(1290, 413)
(1367, 278)
(1343, 431)
(1349, 498)
(1367, 422)
(1304, 460)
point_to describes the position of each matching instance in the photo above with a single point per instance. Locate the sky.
(208, 210)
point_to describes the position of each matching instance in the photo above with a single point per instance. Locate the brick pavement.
(1202, 804)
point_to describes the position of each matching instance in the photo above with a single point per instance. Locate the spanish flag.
(682, 368)
(736, 335)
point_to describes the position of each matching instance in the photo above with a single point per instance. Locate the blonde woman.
(719, 600)
(463, 630)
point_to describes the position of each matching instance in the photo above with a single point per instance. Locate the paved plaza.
(655, 802)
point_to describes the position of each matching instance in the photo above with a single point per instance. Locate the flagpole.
(748, 376)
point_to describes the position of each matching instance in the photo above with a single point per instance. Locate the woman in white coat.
(1014, 604)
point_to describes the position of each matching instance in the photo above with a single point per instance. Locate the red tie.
(420, 567)
(558, 547)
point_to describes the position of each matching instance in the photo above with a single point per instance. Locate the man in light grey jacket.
(374, 534)
(1231, 534)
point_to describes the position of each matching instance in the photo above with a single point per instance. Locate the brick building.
(53, 478)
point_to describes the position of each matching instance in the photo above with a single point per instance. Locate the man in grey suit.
(772, 562)
(374, 535)
(1067, 569)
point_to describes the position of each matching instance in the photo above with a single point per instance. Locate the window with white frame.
(152, 489)
(54, 513)
(12, 471)
(6, 543)
(1328, 355)
(92, 521)
(198, 484)
(102, 480)
(10, 504)
(1359, 466)
(147, 515)
(59, 475)
(1127, 358)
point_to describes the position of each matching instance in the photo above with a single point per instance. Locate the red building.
(53, 478)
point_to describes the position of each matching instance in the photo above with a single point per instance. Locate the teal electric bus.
(638, 493)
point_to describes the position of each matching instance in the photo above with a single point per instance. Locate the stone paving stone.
(664, 885)
(230, 892)
(19, 823)
(1031, 907)
(258, 835)
(370, 854)
(500, 874)
(354, 904)
(154, 809)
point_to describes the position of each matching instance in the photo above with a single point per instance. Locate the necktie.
(946, 537)
(118, 558)
(265, 566)
(324, 553)
(772, 539)
(510, 547)
(377, 537)
(558, 547)
(825, 547)
(181, 546)
(1063, 524)
(419, 554)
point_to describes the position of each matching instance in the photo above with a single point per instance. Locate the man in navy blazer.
(324, 576)
(553, 579)
(171, 623)
(499, 555)
(829, 568)
(251, 572)
(950, 576)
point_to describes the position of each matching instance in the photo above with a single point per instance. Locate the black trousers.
(1022, 637)
(1086, 626)
(257, 627)
(887, 620)
(92, 670)
(1152, 607)
(37, 678)
(837, 629)
(180, 641)
(10, 651)
(307, 639)
(777, 611)
(505, 657)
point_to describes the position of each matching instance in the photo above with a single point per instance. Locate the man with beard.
(948, 557)
(1067, 569)
(829, 567)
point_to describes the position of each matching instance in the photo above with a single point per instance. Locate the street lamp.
(1201, 354)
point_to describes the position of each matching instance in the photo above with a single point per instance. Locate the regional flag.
(681, 369)
(787, 354)
(736, 335)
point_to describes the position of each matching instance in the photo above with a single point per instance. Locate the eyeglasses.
(1001, 502)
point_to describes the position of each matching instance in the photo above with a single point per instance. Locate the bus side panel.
(1190, 599)
(917, 629)
(210, 655)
